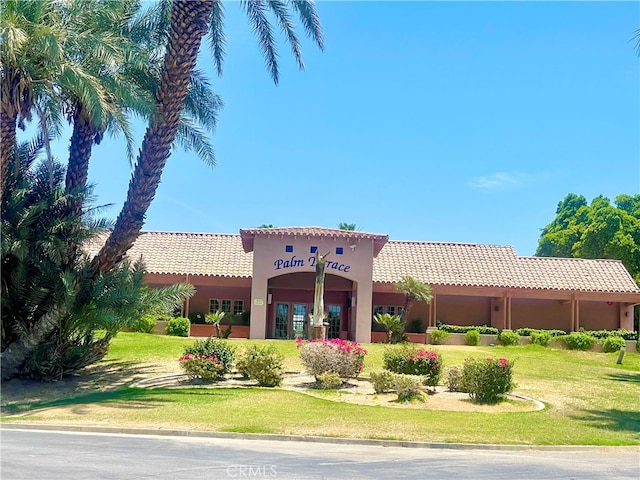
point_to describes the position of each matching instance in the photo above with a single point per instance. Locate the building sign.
(295, 262)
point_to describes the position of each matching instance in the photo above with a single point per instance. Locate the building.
(271, 272)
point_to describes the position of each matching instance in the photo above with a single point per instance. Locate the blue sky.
(430, 121)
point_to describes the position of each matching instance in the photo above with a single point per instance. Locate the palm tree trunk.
(189, 23)
(14, 356)
(7, 143)
(80, 151)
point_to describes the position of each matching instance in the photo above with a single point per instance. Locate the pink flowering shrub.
(200, 365)
(414, 361)
(487, 379)
(342, 357)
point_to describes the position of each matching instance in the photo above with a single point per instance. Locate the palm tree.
(348, 226)
(413, 290)
(191, 20)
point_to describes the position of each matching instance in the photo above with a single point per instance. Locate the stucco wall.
(463, 310)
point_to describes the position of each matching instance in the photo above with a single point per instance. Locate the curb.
(309, 439)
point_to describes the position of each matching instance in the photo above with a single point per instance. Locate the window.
(288, 248)
(378, 309)
(390, 309)
(339, 250)
(214, 305)
(313, 249)
(226, 306)
(238, 307)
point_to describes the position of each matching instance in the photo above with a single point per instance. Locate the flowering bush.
(486, 380)
(342, 357)
(414, 361)
(454, 378)
(223, 351)
(207, 367)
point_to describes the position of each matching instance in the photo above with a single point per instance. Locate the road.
(45, 455)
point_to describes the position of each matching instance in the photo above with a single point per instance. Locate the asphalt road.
(47, 455)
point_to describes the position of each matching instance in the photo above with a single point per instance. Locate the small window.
(390, 309)
(226, 306)
(313, 249)
(238, 307)
(339, 250)
(378, 309)
(214, 305)
(288, 248)
(400, 310)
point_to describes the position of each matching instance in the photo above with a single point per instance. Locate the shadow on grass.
(614, 419)
(625, 377)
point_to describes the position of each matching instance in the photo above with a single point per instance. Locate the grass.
(590, 401)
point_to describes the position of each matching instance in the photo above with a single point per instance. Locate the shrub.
(262, 363)
(620, 332)
(508, 338)
(342, 357)
(178, 327)
(207, 367)
(472, 337)
(223, 351)
(394, 326)
(144, 323)
(438, 336)
(638, 345)
(454, 379)
(483, 329)
(526, 332)
(578, 341)
(407, 387)
(382, 381)
(416, 326)
(329, 380)
(414, 361)
(612, 344)
(486, 380)
(541, 338)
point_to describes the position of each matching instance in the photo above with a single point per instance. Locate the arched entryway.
(290, 301)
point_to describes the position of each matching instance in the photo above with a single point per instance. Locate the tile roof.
(435, 263)
(463, 264)
(193, 253)
(248, 234)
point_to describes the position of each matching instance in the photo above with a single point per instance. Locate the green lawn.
(590, 401)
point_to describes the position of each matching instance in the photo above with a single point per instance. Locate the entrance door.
(334, 319)
(282, 321)
(299, 320)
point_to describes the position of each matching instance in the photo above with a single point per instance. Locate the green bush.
(416, 326)
(638, 345)
(541, 337)
(508, 338)
(329, 380)
(394, 326)
(262, 363)
(438, 336)
(414, 361)
(526, 332)
(144, 323)
(483, 329)
(620, 332)
(222, 349)
(454, 379)
(407, 387)
(612, 343)
(486, 380)
(342, 357)
(578, 341)
(382, 381)
(472, 337)
(178, 327)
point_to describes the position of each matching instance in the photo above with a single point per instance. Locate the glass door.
(334, 319)
(282, 321)
(299, 320)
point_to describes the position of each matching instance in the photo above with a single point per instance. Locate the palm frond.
(310, 20)
(191, 138)
(262, 28)
(216, 35)
(279, 8)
